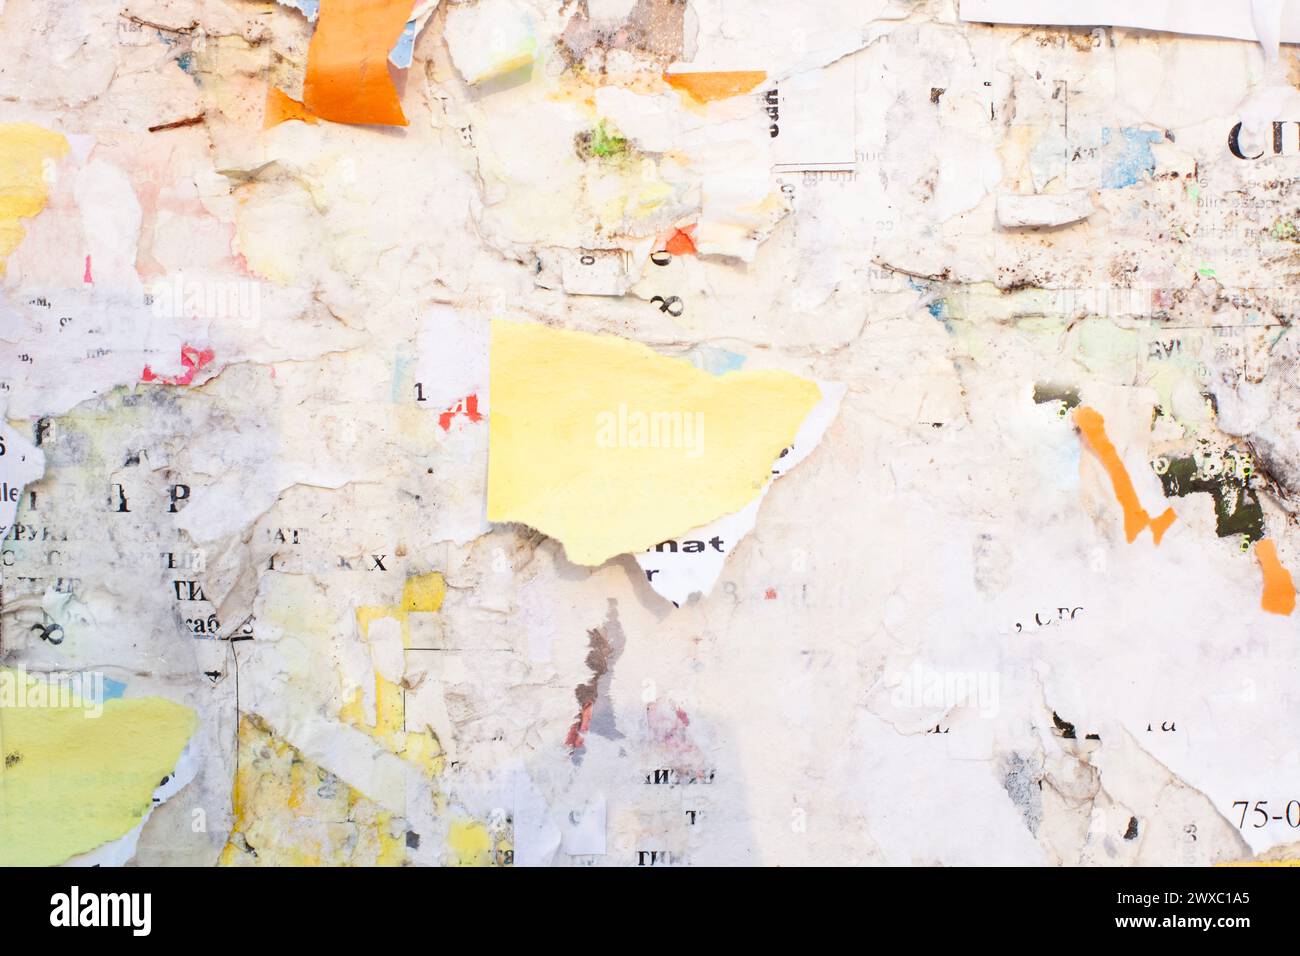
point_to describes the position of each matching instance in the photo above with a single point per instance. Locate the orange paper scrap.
(1093, 427)
(281, 107)
(681, 242)
(347, 62)
(1279, 589)
(705, 87)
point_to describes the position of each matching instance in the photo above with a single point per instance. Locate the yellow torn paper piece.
(421, 594)
(72, 781)
(290, 812)
(611, 448)
(469, 844)
(26, 154)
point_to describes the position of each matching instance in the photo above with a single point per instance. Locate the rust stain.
(178, 124)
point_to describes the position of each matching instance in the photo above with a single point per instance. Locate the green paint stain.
(601, 142)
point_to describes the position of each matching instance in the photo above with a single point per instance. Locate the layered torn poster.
(648, 432)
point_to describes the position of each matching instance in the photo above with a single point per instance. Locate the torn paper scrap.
(308, 8)
(1092, 427)
(27, 157)
(584, 271)
(691, 564)
(404, 52)
(609, 447)
(347, 62)
(616, 164)
(1043, 209)
(582, 831)
(78, 771)
(21, 463)
(400, 55)
(121, 851)
(491, 38)
(285, 808)
(705, 86)
(1266, 15)
(814, 119)
(537, 838)
(1232, 19)
(281, 107)
(1279, 590)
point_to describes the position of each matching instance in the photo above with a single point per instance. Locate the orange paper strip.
(1279, 589)
(347, 62)
(707, 87)
(1093, 427)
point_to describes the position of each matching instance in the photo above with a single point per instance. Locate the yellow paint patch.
(25, 151)
(422, 593)
(469, 844)
(610, 448)
(290, 812)
(71, 782)
(1260, 863)
(705, 87)
(1279, 589)
(1093, 428)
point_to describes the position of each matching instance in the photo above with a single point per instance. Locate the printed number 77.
(1259, 808)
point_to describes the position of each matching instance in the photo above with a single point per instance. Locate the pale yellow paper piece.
(71, 782)
(26, 152)
(290, 812)
(611, 448)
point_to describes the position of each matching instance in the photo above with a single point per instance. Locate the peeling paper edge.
(690, 575)
(121, 851)
(1263, 21)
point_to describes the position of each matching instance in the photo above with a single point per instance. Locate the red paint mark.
(682, 242)
(467, 406)
(192, 360)
(669, 728)
(770, 595)
(668, 723)
(575, 740)
(88, 278)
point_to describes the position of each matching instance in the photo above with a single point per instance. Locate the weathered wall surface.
(645, 432)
